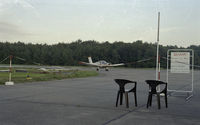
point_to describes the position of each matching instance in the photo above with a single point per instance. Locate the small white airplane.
(100, 64)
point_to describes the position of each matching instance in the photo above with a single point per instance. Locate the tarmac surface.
(91, 101)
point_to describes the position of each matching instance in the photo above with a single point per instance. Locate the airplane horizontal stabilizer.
(113, 65)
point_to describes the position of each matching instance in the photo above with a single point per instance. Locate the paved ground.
(91, 101)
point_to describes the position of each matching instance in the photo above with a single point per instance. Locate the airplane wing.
(113, 65)
(89, 64)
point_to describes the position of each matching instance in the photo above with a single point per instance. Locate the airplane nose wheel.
(97, 69)
(106, 69)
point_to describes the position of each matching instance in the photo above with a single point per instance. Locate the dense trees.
(72, 53)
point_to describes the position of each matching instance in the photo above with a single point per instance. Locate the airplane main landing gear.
(106, 69)
(98, 69)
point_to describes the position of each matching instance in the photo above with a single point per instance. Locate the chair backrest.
(122, 83)
(154, 83)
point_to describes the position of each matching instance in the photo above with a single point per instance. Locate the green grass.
(35, 75)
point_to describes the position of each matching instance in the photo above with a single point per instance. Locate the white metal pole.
(192, 70)
(10, 73)
(167, 66)
(157, 56)
(10, 68)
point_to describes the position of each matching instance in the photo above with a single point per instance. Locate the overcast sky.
(53, 21)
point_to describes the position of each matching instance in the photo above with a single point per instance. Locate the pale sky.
(53, 21)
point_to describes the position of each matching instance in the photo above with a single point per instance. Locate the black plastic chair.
(153, 84)
(122, 90)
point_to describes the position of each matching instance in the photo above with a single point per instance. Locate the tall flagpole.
(158, 56)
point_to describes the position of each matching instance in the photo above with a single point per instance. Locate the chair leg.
(148, 100)
(117, 98)
(121, 98)
(158, 98)
(135, 99)
(166, 103)
(126, 97)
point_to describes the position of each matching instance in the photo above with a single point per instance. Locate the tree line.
(69, 54)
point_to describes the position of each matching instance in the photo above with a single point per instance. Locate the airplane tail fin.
(90, 60)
